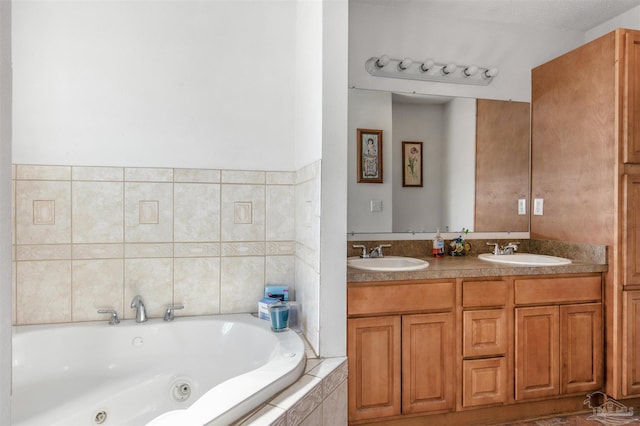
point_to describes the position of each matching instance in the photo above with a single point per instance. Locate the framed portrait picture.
(369, 156)
(411, 163)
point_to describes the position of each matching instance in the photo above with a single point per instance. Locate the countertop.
(470, 266)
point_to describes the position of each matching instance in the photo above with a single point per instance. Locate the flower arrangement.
(459, 246)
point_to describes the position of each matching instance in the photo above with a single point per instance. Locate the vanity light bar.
(428, 70)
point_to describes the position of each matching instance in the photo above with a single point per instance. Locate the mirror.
(474, 157)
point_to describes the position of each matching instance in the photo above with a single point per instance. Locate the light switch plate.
(522, 206)
(376, 206)
(538, 206)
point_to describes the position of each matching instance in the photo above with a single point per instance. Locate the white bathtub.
(192, 371)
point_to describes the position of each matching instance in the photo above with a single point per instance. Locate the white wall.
(629, 19)
(459, 165)
(369, 110)
(5, 212)
(412, 32)
(155, 83)
(418, 209)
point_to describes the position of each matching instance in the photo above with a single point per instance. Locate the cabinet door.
(631, 251)
(631, 101)
(484, 382)
(428, 354)
(373, 349)
(631, 339)
(581, 348)
(537, 352)
(484, 332)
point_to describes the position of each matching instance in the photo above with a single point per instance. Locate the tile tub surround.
(88, 238)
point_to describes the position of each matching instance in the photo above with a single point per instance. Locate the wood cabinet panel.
(581, 348)
(502, 165)
(373, 351)
(484, 332)
(400, 296)
(558, 290)
(427, 362)
(631, 252)
(484, 382)
(631, 341)
(484, 293)
(536, 362)
(631, 101)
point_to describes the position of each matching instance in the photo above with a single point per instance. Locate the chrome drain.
(181, 391)
(100, 417)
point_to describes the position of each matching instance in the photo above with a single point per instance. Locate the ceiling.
(573, 15)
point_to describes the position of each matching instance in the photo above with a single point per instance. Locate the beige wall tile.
(334, 407)
(280, 271)
(43, 291)
(196, 212)
(280, 213)
(115, 174)
(29, 172)
(197, 285)
(142, 250)
(196, 249)
(162, 231)
(97, 212)
(232, 231)
(196, 175)
(148, 174)
(96, 284)
(243, 177)
(151, 279)
(97, 251)
(43, 252)
(242, 249)
(33, 227)
(281, 178)
(242, 284)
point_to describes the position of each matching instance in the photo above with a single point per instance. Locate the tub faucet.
(141, 311)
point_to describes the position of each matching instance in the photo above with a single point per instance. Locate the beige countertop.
(470, 266)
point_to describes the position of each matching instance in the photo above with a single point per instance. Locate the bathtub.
(192, 371)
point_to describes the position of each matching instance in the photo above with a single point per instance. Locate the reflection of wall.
(418, 209)
(369, 110)
(459, 164)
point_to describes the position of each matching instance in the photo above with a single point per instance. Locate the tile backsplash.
(89, 238)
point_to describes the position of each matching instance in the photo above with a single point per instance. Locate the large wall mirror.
(473, 162)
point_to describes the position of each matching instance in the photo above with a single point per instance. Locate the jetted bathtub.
(191, 371)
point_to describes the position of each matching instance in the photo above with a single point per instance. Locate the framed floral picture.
(369, 156)
(411, 163)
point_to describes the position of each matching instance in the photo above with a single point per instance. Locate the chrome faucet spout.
(141, 310)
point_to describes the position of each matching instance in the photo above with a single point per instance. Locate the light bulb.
(449, 68)
(427, 65)
(491, 72)
(470, 70)
(382, 61)
(405, 63)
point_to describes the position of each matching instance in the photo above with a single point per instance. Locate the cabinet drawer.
(484, 293)
(485, 332)
(484, 382)
(558, 290)
(403, 296)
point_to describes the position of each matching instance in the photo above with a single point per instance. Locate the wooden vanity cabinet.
(485, 343)
(558, 342)
(400, 348)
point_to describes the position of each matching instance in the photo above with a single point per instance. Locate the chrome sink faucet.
(141, 311)
(510, 248)
(375, 252)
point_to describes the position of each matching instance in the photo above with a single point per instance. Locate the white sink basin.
(526, 259)
(387, 263)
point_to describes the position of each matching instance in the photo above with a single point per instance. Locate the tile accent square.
(149, 212)
(44, 212)
(242, 212)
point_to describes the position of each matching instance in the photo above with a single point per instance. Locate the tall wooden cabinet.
(585, 165)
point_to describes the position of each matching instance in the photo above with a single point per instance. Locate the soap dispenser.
(438, 245)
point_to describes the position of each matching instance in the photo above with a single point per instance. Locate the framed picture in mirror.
(369, 156)
(412, 164)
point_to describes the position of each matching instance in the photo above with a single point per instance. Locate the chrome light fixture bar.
(429, 70)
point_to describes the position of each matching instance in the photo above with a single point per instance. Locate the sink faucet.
(141, 311)
(377, 251)
(510, 248)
